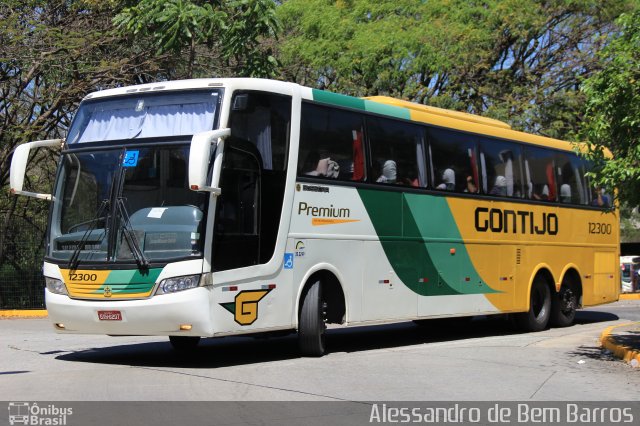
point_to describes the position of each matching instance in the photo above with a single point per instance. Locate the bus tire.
(537, 317)
(563, 307)
(311, 327)
(184, 343)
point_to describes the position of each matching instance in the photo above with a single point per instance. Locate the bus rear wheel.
(312, 327)
(563, 307)
(184, 343)
(537, 317)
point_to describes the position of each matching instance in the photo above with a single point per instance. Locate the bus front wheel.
(311, 327)
(537, 317)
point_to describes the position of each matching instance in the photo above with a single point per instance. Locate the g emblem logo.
(245, 306)
(107, 291)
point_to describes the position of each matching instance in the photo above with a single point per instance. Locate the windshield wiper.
(130, 235)
(75, 256)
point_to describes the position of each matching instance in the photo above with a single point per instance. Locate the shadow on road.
(591, 316)
(233, 351)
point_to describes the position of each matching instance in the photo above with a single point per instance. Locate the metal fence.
(21, 279)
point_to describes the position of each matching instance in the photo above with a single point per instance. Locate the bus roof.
(439, 111)
(382, 105)
(471, 123)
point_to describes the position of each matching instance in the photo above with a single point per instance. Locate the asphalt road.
(483, 360)
(625, 309)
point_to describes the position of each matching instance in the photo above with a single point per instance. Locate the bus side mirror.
(199, 154)
(19, 167)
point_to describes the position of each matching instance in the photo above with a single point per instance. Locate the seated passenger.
(601, 199)
(388, 172)
(543, 195)
(565, 193)
(412, 177)
(471, 186)
(325, 167)
(500, 187)
(448, 180)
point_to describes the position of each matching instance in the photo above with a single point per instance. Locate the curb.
(626, 353)
(629, 296)
(23, 313)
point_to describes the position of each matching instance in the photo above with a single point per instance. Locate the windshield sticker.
(130, 159)
(156, 212)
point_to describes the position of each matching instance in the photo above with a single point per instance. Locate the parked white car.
(630, 267)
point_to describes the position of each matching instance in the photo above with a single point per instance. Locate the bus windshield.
(146, 115)
(126, 205)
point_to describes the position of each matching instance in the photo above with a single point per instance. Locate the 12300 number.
(599, 228)
(83, 277)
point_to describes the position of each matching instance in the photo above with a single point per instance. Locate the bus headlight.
(55, 286)
(172, 285)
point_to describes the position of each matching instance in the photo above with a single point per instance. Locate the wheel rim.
(567, 302)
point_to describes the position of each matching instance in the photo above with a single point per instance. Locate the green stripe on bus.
(133, 280)
(390, 110)
(409, 227)
(361, 104)
(337, 99)
(132, 276)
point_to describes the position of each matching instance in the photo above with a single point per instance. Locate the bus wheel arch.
(536, 318)
(321, 301)
(566, 301)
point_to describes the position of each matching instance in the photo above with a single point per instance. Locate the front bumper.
(157, 316)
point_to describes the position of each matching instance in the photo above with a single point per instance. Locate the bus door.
(248, 295)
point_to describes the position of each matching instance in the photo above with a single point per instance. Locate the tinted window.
(237, 223)
(263, 119)
(501, 164)
(397, 151)
(540, 176)
(331, 144)
(454, 160)
(573, 186)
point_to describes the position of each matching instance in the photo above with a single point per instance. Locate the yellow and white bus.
(216, 207)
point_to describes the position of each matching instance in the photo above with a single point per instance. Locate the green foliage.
(515, 62)
(172, 24)
(224, 37)
(612, 118)
(54, 52)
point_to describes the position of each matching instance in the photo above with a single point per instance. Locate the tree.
(521, 64)
(52, 53)
(612, 118)
(217, 38)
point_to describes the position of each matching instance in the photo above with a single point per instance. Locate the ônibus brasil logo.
(26, 413)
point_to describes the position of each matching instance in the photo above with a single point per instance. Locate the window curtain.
(256, 128)
(130, 117)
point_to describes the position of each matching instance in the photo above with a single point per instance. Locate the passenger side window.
(331, 144)
(501, 168)
(263, 119)
(454, 161)
(540, 176)
(572, 186)
(397, 151)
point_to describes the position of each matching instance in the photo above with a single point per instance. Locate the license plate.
(109, 315)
